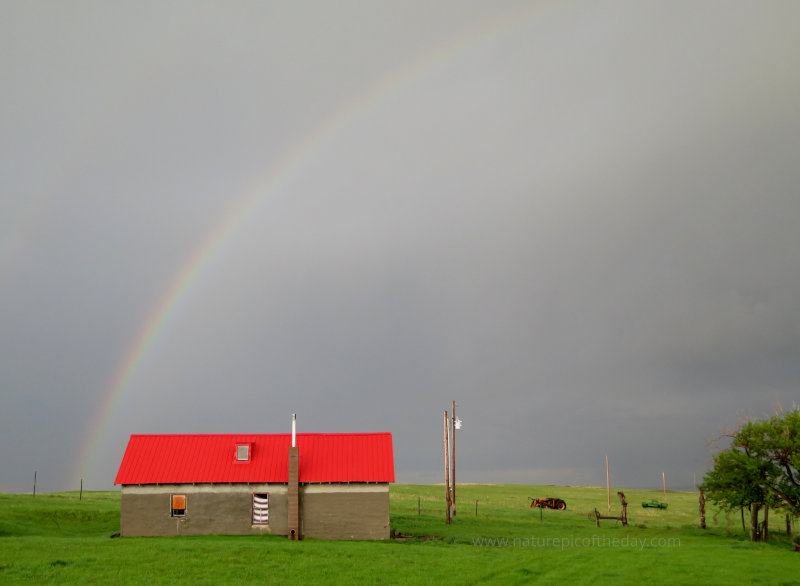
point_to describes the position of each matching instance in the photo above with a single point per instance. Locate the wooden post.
(664, 484)
(624, 516)
(453, 461)
(446, 469)
(80, 496)
(608, 485)
(34, 482)
(476, 510)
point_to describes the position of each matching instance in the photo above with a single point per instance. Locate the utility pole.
(446, 469)
(608, 485)
(453, 460)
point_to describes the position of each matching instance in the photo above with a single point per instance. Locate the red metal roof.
(324, 457)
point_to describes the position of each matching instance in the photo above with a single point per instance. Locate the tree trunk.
(765, 532)
(702, 502)
(754, 533)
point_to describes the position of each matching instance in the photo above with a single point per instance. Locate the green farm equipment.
(654, 504)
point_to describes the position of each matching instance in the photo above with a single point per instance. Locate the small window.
(261, 508)
(243, 453)
(178, 505)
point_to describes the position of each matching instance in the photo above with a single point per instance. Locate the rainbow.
(277, 175)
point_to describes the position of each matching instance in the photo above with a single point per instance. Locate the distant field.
(57, 538)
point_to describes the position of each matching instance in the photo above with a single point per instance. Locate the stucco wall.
(351, 511)
(328, 511)
(210, 509)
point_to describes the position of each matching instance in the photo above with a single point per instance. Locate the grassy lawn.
(59, 539)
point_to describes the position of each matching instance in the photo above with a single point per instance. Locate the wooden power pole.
(446, 469)
(453, 460)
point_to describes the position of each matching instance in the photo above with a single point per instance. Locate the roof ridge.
(299, 433)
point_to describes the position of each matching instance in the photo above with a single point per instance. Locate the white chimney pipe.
(294, 428)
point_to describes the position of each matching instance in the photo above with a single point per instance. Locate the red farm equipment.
(548, 503)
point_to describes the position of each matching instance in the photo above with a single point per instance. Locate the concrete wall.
(327, 511)
(210, 510)
(349, 511)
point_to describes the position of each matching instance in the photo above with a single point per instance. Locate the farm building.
(328, 486)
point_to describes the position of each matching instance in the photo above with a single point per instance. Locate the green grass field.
(57, 538)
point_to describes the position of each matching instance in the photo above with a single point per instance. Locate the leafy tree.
(736, 483)
(775, 442)
(760, 468)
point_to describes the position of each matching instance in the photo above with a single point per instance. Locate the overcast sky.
(579, 220)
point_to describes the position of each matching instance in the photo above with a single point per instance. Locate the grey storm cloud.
(577, 220)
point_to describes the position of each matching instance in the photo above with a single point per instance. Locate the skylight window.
(243, 453)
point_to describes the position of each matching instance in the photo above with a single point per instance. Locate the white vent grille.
(261, 508)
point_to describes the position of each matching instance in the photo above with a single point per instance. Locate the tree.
(760, 469)
(775, 442)
(736, 483)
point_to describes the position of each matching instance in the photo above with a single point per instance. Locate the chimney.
(294, 485)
